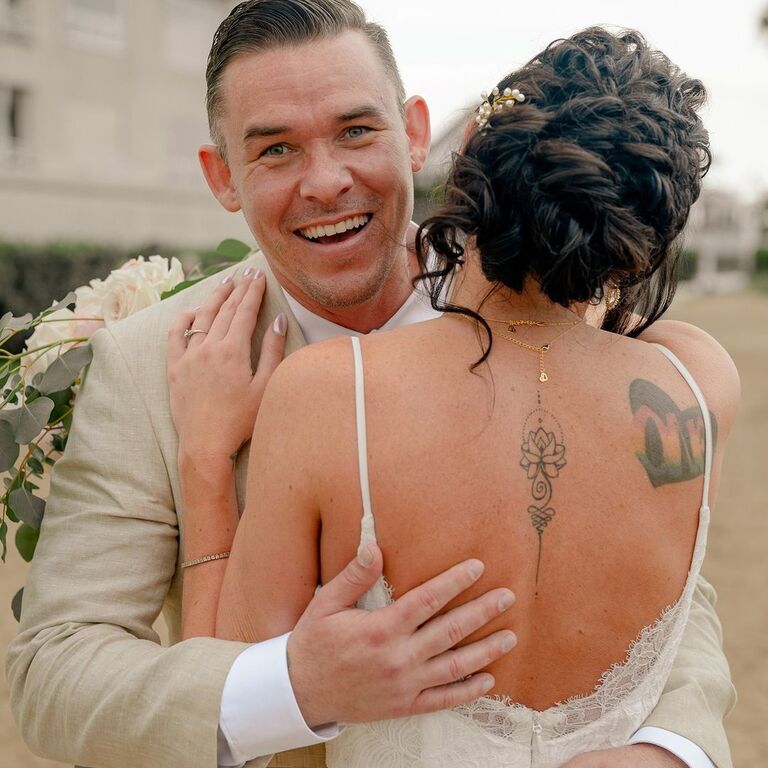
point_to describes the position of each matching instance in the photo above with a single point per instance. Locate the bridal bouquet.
(39, 384)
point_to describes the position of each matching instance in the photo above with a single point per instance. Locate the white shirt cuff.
(259, 714)
(692, 755)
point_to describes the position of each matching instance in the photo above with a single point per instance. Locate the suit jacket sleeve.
(89, 681)
(699, 693)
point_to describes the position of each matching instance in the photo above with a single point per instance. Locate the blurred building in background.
(101, 113)
(721, 239)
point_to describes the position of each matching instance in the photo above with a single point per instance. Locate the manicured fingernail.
(280, 326)
(227, 279)
(257, 274)
(508, 642)
(194, 309)
(476, 569)
(505, 601)
(365, 556)
(488, 683)
(247, 271)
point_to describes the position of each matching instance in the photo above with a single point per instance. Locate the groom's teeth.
(327, 230)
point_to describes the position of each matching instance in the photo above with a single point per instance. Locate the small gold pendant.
(543, 376)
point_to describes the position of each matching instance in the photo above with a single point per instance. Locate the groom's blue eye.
(276, 150)
(356, 131)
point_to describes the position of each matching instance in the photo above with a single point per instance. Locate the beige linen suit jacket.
(89, 680)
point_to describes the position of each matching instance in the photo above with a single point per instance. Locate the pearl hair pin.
(497, 101)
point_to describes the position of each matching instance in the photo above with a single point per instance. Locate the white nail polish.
(247, 271)
(257, 274)
(280, 326)
(227, 279)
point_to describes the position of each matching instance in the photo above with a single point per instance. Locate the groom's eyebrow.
(263, 131)
(364, 112)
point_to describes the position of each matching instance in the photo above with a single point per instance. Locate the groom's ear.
(218, 176)
(418, 130)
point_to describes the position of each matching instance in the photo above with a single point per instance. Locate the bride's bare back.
(581, 494)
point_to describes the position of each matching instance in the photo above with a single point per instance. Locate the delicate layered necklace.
(512, 326)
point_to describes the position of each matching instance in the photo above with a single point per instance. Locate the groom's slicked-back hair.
(260, 25)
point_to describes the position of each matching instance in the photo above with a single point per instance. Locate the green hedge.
(761, 261)
(33, 276)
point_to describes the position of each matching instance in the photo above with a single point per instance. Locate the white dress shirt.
(251, 724)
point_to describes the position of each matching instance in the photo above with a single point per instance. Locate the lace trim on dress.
(499, 715)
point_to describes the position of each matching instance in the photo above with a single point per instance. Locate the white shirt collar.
(416, 309)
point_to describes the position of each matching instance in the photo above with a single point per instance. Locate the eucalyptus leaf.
(30, 419)
(35, 466)
(27, 507)
(233, 250)
(64, 370)
(179, 288)
(70, 298)
(26, 541)
(16, 604)
(3, 538)
(9, 448)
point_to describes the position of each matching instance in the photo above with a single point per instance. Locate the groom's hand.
(348, 665)
(633, 756)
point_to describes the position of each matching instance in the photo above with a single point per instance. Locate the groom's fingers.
(445, 631)
(448, 696)
(420, 604)
(455, 665)
(347, 587)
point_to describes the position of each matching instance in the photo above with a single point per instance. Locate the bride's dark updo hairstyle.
(585, 184)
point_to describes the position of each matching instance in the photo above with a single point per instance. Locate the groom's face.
(320, 157)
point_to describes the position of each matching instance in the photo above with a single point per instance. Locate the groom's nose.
(325, 176)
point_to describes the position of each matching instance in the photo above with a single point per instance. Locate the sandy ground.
(737, 562)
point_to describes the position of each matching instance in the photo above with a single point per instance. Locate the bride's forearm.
(209, 522)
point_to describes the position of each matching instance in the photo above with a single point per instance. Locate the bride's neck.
(494, 300)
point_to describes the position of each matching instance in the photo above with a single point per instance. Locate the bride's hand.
(215, 394)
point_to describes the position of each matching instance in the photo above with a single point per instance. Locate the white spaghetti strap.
(367, 528)
(685, 373)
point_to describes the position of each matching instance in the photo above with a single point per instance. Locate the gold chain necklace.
(540, 350)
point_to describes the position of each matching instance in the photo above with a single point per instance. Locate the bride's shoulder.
(707, 360)
(320, 371)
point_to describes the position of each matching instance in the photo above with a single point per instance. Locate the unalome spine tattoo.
(543, 449)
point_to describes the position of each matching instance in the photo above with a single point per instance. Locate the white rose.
(136, 285)
(88, 308)
(57, 326)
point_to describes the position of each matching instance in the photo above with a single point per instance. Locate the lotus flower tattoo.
(543, 458)
(542, 453)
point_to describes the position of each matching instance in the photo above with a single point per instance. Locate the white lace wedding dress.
(497, 733)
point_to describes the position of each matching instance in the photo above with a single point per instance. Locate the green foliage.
(228, 253)
(16, 604)
(26, 541)
(761, 260)
(36, 414)
(32, 276)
